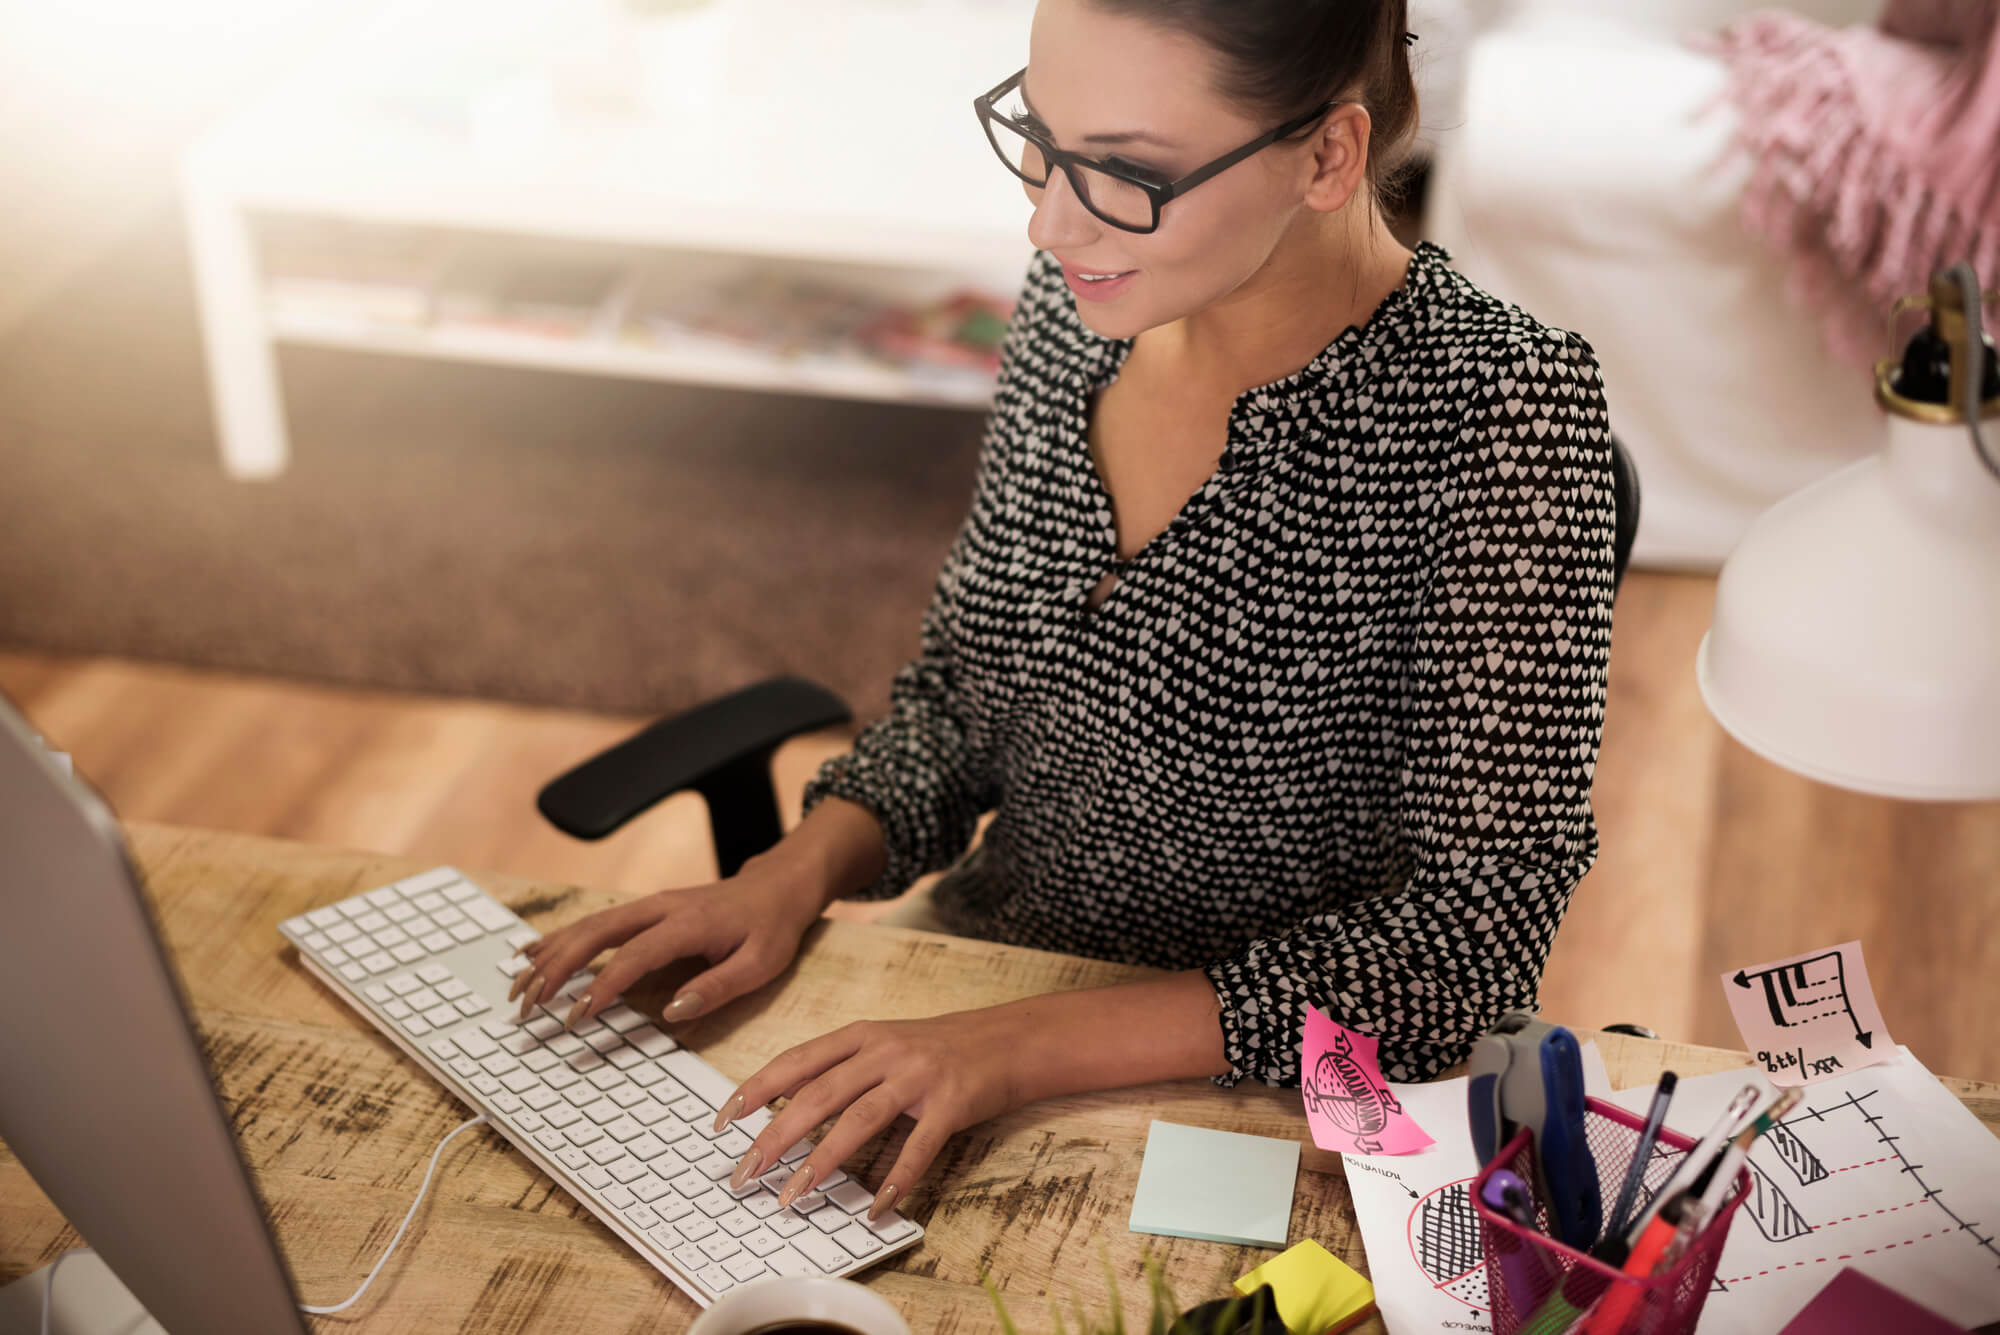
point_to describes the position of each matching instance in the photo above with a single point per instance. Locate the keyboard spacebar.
(704, 1081)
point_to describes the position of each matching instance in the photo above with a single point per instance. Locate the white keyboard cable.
(421, 1192)
(49, 1278)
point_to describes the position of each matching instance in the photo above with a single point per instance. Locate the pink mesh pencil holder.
(1525, 1268)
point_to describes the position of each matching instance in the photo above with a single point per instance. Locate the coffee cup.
(801, 1305)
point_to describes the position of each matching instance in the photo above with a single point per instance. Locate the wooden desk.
(338, 1126)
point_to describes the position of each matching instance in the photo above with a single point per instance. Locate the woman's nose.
(1060, 221)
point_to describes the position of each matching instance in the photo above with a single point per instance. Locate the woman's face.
(1114, 87)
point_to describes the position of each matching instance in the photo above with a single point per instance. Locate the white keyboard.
(617, 1112)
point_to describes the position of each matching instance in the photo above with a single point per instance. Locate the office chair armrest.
(721, 749)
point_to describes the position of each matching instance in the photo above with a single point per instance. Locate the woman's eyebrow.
(1122, 137)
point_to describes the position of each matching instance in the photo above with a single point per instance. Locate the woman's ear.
(1340, 157)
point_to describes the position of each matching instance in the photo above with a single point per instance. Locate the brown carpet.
(524, 535)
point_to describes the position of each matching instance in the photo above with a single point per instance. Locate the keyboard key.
(858, 1240)
(749, 1188)
(650, 1041)
(762, 1241)
(810, 1201)
(417, 924)
(318, 941)
(703, 1080)
(541, 1098)
(650, 1188)
(442, 1014)
(512, 966)
(405, 983)
(717, 1166)
(434, 974)
(463, 932)
(429, 903)
(620, 1197)
(398, 912)
(525, 937)
(720, 1246)
(486, 913)
(335, 955)
(417, 1025)
(448, 917)
(690, 1184)
(624, 1058)
(460, 891)
(391, 936)
(641, 1215)
(738, 1222)
(541, 1059)
(486, 1085)
(715, 1278)
(422, 998)
(646, 1146)
(342, 933)
(595, 1176)
(786, 1225)
(437, 878)
(647, 1074)
(499, 1064)
(371, 922)
(520, 1082)
(573, 1157)
(628, 1169)
(477, 1044)
(586, 1061)
(787, 1261)
(566, 1045)
(734, 1144)
(471, 1006)
(648, 1112)
(465, 1067)
(891, 1228)
(850, 1196)
(544, 1027)
(607, 1078)
(744, 1267)
(561, 1077)
(506, 1103)
(823, 1251)
(604, 1151)
(353, 908)
(797, 1152)
(621, 1018)
(693, 1111)
(529, 1120)
(436, 942)
(519, 1042)
(627, 1096)
(622, 1129)
(409, 952)
(324, 918)
(585, 1134)
(353, 972)
(444, 1049)
(499, 1027)
(559, 1114)
(384, 897)
(833, 1179)
(763, 1204)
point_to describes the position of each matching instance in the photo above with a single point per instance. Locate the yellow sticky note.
(1317, 1292)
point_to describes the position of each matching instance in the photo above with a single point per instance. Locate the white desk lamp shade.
(1856, 635)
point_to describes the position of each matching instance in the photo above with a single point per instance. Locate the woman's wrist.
(835, 851)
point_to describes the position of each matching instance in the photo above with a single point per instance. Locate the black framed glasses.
(1124, 195)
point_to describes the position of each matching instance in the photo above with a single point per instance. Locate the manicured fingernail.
(576, 1011)
(730, 1112)
(800, 1184)
(682, 1006)
(885, 1200)
(747, 1169)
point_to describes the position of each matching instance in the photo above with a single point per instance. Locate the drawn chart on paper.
(1444, 1243)
(1809, 1016)
(1882, 1170)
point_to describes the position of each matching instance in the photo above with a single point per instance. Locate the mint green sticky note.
(1219, 1186)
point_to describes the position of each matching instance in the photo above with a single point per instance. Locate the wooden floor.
(1712, 859)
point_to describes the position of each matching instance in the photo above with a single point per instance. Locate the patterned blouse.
(1331, 735)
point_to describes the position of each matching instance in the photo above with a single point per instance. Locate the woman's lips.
(1096, 289)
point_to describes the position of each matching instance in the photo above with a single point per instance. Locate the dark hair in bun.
(1282, 58)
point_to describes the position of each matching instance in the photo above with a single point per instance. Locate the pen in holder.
(1539, 1285)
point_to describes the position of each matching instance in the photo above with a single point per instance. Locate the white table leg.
(242, 369)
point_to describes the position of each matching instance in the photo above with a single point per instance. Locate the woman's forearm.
(1166, 1028)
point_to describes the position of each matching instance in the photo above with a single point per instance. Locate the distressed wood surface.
(338, 1126)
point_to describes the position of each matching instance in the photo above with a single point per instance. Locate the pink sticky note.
(1348, 1104)
(1809, 1016)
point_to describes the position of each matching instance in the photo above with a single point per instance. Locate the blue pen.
(1528, 1073)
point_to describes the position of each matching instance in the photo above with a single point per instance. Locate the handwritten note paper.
(1349, 1105)
(1810, 1016)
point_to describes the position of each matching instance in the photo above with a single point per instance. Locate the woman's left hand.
(947, 1072)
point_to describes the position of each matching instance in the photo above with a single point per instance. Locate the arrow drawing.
(1799, 993)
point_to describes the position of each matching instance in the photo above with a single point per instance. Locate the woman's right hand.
(748, 928)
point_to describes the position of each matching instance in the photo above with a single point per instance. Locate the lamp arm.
(1974, 363)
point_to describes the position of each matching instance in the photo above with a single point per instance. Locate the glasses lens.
(1112, 199)
(1117, 202)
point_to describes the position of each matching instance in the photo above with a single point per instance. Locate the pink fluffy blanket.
(1876, 153)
